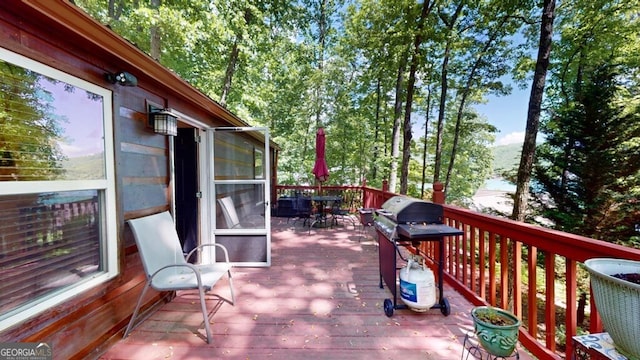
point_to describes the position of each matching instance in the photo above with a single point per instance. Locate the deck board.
(320, 299)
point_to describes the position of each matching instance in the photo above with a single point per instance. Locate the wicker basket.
(618, 302)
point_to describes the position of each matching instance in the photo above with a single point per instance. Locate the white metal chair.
(230, 213)
(166, 267)
(231, 216)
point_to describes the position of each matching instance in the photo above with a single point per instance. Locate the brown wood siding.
(85, 325)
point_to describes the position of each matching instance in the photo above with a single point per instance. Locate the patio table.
(321, 215)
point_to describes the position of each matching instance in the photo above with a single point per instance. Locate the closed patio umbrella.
(320, 169)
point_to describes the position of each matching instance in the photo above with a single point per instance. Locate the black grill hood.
(406, 210)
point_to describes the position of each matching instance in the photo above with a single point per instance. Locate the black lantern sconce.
(121, 78)
(164, 122)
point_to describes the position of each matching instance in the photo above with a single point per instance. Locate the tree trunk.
(376, 151)
(426, 148)
(322, 36)
(114, 8)
(407, 131)
(154, 48)
(463, 101)
(397, 117)
(233, 60)
(533, 112)
(531, 132)
(228, 75)
(441, 109)
(450, 23)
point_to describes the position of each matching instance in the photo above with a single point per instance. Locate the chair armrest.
(199, 248)
(189, 266)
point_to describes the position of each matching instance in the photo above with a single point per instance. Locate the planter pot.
(618, 302)
(497, 339)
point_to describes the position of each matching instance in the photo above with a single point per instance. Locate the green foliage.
(296, 65)
(85, 167)
(592, 131)
(301, 65)
(28, 147)
(506, 158)
(474, 158)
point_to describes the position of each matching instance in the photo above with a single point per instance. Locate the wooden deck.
(320, 299)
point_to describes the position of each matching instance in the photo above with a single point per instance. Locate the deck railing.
(478, 266)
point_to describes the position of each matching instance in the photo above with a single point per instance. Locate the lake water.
(499, 184)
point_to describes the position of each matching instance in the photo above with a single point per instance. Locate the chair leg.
(205, 315)
(312, 222)
(233, 298)
(135, 311)
(354, 222)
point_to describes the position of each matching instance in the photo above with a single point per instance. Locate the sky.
(508, 114)
(83, 130)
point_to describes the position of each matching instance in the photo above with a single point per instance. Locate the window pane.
(234, 157)
(243, 206)
(258, 164)
(49, 129)
(48, 241)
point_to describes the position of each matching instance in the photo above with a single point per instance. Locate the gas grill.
(403, 221)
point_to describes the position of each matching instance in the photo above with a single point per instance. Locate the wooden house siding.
(60, 35)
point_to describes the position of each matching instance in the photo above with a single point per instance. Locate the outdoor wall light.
(164, 122)
(121, 78)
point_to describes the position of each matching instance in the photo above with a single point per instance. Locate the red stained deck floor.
(320, 299)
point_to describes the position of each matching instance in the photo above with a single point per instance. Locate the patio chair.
(337, 212)
(303, 210)
(166, 267)
(287, 208)
(366, 219)
(231, 216)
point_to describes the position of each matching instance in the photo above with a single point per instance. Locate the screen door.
(239, 193)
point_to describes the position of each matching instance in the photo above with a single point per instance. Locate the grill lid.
(405, 210)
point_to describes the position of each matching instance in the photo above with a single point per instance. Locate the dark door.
(186, 187)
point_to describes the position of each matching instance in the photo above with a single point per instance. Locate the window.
(258, 164)
(57, 191)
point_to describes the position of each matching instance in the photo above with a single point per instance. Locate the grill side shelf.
(425, 231)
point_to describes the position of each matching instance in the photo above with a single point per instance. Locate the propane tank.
(417, 284)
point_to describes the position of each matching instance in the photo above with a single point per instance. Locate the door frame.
(200, 172)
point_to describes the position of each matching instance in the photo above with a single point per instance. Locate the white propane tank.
(417, 285)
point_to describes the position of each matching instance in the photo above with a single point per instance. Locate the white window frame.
(109, 235)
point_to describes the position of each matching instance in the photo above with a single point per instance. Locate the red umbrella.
(320, 169)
